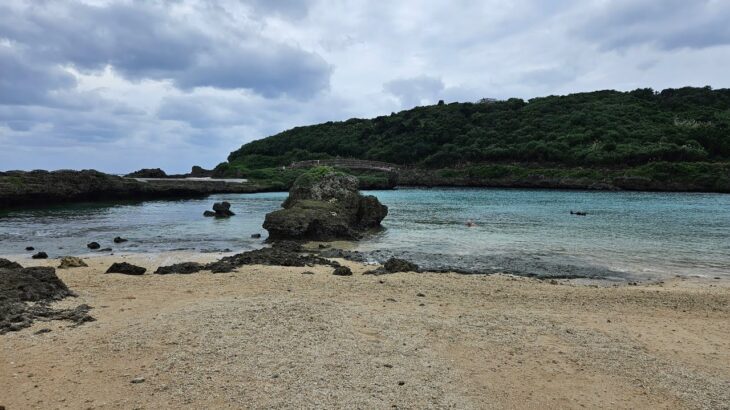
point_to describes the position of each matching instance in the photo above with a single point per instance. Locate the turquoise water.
(653, 234)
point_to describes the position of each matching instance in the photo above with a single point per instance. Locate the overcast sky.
(121, 85)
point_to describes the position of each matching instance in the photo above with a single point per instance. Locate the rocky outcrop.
(18, 188)
(200, 172)
(25, 294)
(147, 173)
(325, 205)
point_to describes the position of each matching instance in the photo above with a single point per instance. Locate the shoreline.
(270, 336)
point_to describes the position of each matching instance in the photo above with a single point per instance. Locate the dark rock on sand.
(208, 213)
(119, 239)
(281, 254)
(6, 264)
(38, 285)
(40, 255)
(182, 268)
(126, 269)
(93, 245)
(325, 207)
(393, 265)
(342, 271)
(71, 262)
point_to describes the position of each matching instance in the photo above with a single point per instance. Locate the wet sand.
(273, 337)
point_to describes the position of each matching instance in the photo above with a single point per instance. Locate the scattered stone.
(40, 255)
(308, 272)
(256, 235)
(208, 213)
(119, 239)
(393, 265)
(93, 245)
(6, 264)
(72, 262)
(420, 295)
(138, 380)
(126, 269)
(42, 331)
(342, 271)
(401, 383)
(182, 268)
(29, 248)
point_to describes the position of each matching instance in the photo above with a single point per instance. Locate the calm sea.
(653, 234)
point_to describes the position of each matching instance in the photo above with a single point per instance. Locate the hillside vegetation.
(597, 130)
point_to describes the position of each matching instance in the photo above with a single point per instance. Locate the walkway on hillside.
(346, 163)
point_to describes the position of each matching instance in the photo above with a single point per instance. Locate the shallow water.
(649, 234)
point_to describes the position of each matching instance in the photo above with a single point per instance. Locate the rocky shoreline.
(41, 188)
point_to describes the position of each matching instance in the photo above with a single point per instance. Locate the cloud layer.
(123, 84)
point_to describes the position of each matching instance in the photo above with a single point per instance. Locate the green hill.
(602, 130)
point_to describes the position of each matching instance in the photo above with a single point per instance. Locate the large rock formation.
(325, 205)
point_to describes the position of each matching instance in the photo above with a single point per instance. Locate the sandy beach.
(272, 337)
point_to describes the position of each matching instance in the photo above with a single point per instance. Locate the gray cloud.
(142, 40)
(124, 84)
(415, 91)
(666, 24)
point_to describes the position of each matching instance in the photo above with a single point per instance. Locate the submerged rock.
(119, 239)
(93, 245)
(126, 269)
(71, 262)
(325, 205)
(208, 213)
(182, 268)
(222, 209)
(40, 255)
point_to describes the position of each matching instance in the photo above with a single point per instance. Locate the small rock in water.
(222, 209)
(93, 245)
(40, 255)
(119, 239)
(256, 235)
(29, 248)
(208, 213)
(71, 262)
(138, 380)
(105, 250)
(342, 271)
(126, 269)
